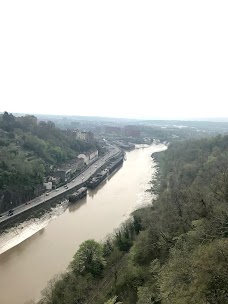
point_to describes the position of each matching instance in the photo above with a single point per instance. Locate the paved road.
(85, 175)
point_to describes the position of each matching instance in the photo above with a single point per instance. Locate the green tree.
(113, 301)
(89, 259)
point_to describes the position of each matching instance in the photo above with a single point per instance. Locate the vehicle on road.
(10, 212)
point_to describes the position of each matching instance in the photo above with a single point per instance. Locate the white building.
(48, 185)
(89, 156)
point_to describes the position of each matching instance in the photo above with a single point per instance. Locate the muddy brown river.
(33, 252)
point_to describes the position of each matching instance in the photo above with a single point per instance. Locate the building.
(55, 180)
(75, 164)
(63, 174)
(69, 169)
(48, 185)
(89, 156)
(84, 136)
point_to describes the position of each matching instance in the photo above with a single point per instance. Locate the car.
(10, 212)
(47, 194)
(57, 189)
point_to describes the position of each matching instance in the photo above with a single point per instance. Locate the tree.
(8, 121)
(113, 301)
(196, 275)
(146, 248)
(89, 259)
(48, 293)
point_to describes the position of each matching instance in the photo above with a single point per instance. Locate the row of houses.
(71, 168)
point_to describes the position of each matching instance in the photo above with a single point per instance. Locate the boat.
(80, 193)
(95, 181)
(113, 165)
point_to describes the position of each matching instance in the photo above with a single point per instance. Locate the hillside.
(28, 151)
(174, 251)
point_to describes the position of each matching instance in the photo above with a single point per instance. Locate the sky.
(134, 59)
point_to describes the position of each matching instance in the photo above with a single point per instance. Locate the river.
(35, 251)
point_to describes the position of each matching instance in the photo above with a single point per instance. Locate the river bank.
(27, 267)
(22, 212)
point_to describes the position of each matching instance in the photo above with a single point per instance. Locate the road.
(84, 176)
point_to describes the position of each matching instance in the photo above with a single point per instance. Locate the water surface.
(51, 241)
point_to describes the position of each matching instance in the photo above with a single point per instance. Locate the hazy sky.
(159, 59)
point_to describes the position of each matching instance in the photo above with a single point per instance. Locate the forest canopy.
(29, 150)
(173, 251)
